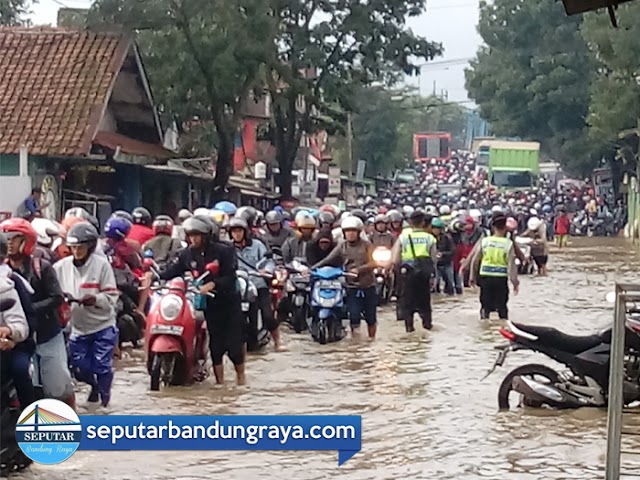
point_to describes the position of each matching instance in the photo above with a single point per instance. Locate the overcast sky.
(450, 22)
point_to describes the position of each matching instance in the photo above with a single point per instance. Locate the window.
(506, 179)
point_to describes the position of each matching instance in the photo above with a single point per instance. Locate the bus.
(431, 145)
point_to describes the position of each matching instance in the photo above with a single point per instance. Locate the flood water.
(426, 414)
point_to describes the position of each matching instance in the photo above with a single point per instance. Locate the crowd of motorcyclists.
(82, 289)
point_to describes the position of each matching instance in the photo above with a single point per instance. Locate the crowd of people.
(67, 277)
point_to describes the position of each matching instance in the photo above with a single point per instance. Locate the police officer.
(493, 263)
(414, 256)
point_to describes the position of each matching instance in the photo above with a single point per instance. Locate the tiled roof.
(54, 85)
(113, 141)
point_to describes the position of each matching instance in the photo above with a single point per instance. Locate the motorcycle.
(256, 335)
(298, 294)
(526, 267)
(11, 457)
(327, 305)
(176, 333)
(587, 358)
(382, 274)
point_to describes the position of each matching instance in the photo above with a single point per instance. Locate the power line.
(439, 63)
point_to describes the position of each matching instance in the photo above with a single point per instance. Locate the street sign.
(335, 184)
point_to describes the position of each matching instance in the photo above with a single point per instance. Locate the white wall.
(13, 190)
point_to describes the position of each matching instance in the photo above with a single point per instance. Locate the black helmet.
(326, 217)
(141, 216)
(82, 233)
(122, 214)
(198, 224)
(273, 217)
(360, 214)
(4, 246)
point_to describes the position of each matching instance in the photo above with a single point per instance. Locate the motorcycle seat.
(554, 338)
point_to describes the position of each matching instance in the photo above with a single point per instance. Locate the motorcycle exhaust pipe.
(538, 394)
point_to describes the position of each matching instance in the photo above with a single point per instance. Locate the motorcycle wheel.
(533, 371)
(299, 320)
(156, 367)
(322, 333)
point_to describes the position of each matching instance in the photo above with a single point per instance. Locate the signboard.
(360, 170)
(335, 184)
(603, 185)
(427, 146)
(50, 197)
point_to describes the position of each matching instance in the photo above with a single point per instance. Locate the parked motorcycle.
(327, 305)
(176, 333)
(11, 457)
(257, 337)
(586, 357)
(526, 267)
(382, 274)
(298, 294)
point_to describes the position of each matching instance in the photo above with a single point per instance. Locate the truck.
(514, 165)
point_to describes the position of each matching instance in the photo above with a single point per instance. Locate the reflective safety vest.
(495, 256)
(422, 243)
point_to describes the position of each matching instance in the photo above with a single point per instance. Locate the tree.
(325, 49)
(532, 76)
(203, 57)
(13, 12)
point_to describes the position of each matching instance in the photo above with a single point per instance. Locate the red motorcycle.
(176, 333)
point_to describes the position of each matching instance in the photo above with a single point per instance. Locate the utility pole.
(350, 144)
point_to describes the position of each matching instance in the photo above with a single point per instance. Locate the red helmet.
(19, 226)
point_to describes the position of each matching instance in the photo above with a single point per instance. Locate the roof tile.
(52, 82)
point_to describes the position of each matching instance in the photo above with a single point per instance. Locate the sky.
(450, 22)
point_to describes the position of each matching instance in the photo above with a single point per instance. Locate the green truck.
(514, 165)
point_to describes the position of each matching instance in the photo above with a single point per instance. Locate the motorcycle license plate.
(299, 301)
(245, 306)
(166, 330)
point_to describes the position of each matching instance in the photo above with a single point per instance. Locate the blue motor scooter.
(327, 305)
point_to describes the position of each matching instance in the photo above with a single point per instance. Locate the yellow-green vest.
(422, 243)
(495, 256)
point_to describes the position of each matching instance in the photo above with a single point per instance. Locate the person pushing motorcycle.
(223, 313)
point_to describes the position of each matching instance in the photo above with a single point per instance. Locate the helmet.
(46, 230)
(238, 222)
(496, 209)
(352, 223)
(201, 211)
(395, 216)
(305, 220)
(547, 209)
(219, 217)
(117, 228)
(475, 214)
(163, 224)
(67, 223)
(359, 213)
(457, 225)
(512, 224)
(122, 214)
(381, 218)
(534, 223)
(19, 226)
(198, 224)
(77, 212)
(227, 207)
(184, 214)
(431, 210)
(437, 223)
(141, 216)
(537, 206)
(445, 210)
(273, 217)
(249, 214)
(407, 210)
(326, 217)
(82, 233)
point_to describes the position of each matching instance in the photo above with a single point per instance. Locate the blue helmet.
(547, 209)
(117, 228)
(227, 207)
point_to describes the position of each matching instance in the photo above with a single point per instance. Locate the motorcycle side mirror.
(148, 253)
(611, 297)
(213, 267)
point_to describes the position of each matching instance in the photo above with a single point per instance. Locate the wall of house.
(108, 122)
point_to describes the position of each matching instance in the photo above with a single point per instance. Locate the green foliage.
(13, 12)
(203, 58)
(326, 49)
(531, 78)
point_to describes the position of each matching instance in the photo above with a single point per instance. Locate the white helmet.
(351, 223)
(407, 210)
(534, 223)
(445, 210)
(46, 229)
(537, 206)
(184, 214)
(305, 220)
(512, 201)
(496, 209)
(202, 211)
(533, 211)
(475, 214)
(431, 210)
(472, 203)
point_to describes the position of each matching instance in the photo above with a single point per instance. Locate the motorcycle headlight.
(381, 255)
(170, 307)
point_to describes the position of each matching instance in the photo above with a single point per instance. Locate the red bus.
(430, 145)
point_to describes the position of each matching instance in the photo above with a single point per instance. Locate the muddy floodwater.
(425, 412)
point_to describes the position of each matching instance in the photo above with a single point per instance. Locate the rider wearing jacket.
(296, 247)
(223, 313)
(253, 258)
(141, 230)
(51, 353)
(381, 236)
(276, 233)
(163, 245)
